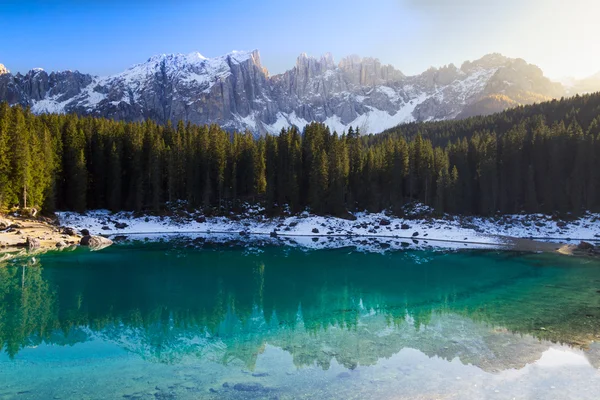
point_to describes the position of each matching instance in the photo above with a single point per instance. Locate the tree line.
(540, 158)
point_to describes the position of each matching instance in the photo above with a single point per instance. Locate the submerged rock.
(249, 387)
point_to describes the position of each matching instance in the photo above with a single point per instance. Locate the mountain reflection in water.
(167, 303)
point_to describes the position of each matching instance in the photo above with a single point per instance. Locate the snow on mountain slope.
(236, 92)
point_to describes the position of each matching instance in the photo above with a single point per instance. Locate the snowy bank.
(308, 230)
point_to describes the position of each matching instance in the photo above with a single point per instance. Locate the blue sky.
(109, 36)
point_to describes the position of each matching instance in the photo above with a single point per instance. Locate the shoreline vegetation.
(534, 159)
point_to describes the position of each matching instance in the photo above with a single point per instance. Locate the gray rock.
(249, 387)
(585, 246)
(68, 231)
(95, 242)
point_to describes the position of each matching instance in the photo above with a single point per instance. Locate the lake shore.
(365, 231)
(21, 234)
(368, 231)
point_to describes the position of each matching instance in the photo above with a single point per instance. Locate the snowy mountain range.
(237, 92)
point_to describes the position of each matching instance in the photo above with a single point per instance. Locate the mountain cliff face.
(237, 92)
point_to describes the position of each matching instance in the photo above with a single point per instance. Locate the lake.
(185, 319)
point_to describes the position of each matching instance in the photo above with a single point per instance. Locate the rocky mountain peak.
(244, 56)
(368, 71)
(327, 60)
(254, 55)
(236, 91)
(3, 70)
(489, 61)
(307, 67)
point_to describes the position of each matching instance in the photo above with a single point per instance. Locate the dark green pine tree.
(115, 170)
(6, 193)
(21, 163)
(75, 177)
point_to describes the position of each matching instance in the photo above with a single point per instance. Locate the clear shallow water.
(168, 320)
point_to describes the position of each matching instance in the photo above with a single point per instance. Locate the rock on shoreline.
(42, 234)
(95, 242)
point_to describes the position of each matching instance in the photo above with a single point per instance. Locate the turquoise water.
(186, 319)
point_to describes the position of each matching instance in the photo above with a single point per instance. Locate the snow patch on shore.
(370, 231)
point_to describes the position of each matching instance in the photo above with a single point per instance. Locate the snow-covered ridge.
(237, 92)
(370, 231)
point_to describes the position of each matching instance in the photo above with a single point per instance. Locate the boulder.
(61, 244)
(121, 225)
(315, 230)
(249, 387)
(404, 227)
(384, 222)
(585, 246)
(348, 216)
(415, 234)
(95, 242)
(68, 231)
(85, 232)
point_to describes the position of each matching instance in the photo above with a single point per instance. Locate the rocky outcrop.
(237, 92)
